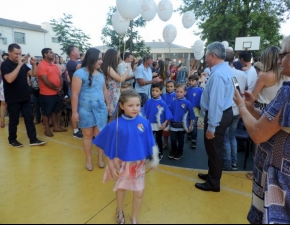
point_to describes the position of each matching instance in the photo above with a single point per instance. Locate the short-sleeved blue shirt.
(146, 75)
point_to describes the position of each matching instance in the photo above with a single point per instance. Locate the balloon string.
(117, 124)
(118, 93)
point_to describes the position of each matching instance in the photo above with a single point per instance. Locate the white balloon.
(198, 46)
(120, 25)
(201, 61)
(129, 9)
(149, 9)
(165, 10)
(198, 55)
(188, 19)
(226, 44)
(169, 33)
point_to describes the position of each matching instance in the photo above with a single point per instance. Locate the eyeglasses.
(282, 55)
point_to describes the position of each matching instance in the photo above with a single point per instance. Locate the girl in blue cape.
(127, 141)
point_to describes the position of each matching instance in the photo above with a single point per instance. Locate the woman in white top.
(270, 80)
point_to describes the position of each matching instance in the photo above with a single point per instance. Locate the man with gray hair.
(216, 101)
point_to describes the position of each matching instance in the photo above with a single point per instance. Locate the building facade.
(162, 50)
(31, 38)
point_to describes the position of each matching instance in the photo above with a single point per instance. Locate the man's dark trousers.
(214, 149)
(14, 110)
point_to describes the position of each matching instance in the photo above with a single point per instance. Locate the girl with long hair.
(113, 79)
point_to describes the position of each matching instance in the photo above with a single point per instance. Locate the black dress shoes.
(202, 176)
(204, 187)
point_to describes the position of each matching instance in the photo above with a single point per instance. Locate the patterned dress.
(271, 184)
(113, 93)
(1, 89)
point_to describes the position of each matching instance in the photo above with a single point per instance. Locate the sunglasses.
(282, 55)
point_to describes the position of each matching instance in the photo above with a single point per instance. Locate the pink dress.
(132, 176)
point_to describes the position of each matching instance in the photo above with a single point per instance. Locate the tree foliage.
(70, 35)
(221, 20)
(112, 39)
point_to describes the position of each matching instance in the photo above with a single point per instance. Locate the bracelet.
(241, 105)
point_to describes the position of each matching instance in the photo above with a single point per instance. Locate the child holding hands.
(183, 119)
(157, 112)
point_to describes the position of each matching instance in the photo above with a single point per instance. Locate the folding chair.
(244, 136)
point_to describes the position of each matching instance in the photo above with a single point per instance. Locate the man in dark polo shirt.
(71, 66)
(16, 91)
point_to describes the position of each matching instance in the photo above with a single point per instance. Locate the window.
(55, 39)
(19, 38)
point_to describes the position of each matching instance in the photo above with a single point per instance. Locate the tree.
(221, 20)
(133, 40)
(69, 35)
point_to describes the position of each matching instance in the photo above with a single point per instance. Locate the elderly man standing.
(216, 101)
(143, 75)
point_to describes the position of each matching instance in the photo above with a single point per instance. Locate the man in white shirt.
(122, 67)
(252, 76)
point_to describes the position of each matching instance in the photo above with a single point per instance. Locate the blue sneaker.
(78, 135)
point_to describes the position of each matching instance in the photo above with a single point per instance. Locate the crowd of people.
(131, 110)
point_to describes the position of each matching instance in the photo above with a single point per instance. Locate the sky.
(90, 16)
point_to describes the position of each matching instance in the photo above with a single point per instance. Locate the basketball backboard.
(247, 43)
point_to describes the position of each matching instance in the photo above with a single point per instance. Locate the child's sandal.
(120, 219)
(133, 221)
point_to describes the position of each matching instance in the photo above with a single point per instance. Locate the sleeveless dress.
(271, 183)
(92, 108)
(113, 93)
(266, 95)
(2, 98)
(1, 91)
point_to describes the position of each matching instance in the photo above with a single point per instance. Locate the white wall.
(48, 38)
(34, 41)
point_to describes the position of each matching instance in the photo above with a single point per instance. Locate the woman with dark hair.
(113, 79)
(57, 62)
(163, 74)
(89, 98)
